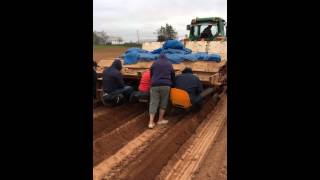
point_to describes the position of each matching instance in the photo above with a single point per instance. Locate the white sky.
(125, 17)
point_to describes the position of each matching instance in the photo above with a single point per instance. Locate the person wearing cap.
(190, 83)
(113, 83)
(162, 76)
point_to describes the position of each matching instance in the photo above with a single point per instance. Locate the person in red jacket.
(144, 86)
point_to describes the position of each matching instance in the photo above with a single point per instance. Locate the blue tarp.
(173, 50)
(202, 56)
(131, 58)
(172, 44)
(148, 56)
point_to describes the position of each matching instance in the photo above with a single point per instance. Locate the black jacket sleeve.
(119, 79)
(173, 74)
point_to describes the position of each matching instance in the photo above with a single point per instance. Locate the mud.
(111, 118)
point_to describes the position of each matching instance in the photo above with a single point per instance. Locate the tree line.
(164, 33)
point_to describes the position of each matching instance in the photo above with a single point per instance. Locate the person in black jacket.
(113, 83)
(206, 33)
(189, 82)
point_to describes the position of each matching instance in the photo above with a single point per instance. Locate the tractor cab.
(208, 29)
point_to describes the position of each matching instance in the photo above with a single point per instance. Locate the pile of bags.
(172, 49)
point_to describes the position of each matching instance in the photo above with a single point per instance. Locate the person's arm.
(173, 74)
(119, 79)
(175, 80)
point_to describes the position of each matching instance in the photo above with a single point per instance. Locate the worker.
(162, 76)
(206, 33)
(190, 83)
(94, 80)
(145, 81)
(144, 87)
(113, 83)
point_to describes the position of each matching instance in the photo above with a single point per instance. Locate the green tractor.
(208, 29)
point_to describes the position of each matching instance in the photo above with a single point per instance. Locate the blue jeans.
(126, 91)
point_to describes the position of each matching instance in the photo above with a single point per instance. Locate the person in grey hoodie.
(162, 76)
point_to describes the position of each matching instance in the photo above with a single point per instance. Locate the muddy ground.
(124, 148)
(215, 166)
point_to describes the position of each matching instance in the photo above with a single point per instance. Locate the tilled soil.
(124, 148)
(215, 166)
(186, 162)
(111, 118)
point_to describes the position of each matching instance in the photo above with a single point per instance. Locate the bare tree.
(100, 37)
(104, 37)
(95, 38)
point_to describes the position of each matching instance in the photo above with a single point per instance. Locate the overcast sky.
(125, 17)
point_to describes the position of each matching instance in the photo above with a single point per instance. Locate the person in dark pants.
(113, 83)
(94, 80)
(190, 83)
(162, 76)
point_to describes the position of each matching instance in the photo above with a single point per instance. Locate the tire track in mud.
(215, 166)
(186, 162)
